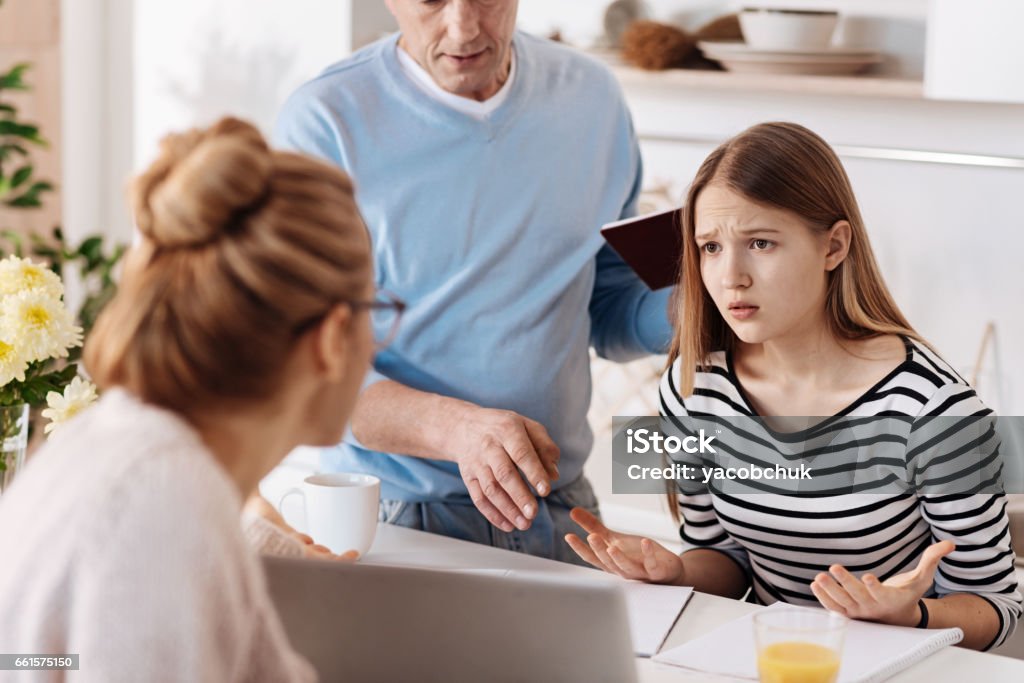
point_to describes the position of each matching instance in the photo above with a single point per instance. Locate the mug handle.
(292, 491)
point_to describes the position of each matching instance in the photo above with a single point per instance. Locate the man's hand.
(629, 556)
(891, 602)
(495, 450)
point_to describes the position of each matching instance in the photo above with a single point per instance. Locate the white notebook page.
(653, 611)
(871, 652)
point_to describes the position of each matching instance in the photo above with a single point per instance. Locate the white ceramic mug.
(341, 509)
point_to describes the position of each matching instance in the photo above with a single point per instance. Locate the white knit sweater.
(121, 542)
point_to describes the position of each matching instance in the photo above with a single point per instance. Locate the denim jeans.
(544, 538)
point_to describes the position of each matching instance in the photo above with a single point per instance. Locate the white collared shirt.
(466, 105)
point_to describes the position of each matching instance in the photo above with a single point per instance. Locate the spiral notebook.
(653, 610)
(871, 652)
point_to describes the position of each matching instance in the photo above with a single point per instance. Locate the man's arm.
(491, 447)
(627, 319)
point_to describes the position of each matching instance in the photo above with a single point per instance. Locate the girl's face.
(764, 267)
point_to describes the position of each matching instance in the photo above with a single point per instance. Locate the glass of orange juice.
(798, 645)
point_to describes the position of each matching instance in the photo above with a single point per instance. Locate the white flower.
(38, 324)
(22, 275)
(78, 395)
(12, 363)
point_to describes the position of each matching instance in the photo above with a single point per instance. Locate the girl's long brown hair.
(786, 166)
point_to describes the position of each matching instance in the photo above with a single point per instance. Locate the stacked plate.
(830, 61)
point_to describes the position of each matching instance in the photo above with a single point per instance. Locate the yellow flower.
(39, 325)
(21, 275)
(77, 396)
(12, 363)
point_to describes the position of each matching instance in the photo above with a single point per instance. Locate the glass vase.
(13, 442)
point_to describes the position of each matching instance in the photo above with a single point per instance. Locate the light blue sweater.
(489, 230)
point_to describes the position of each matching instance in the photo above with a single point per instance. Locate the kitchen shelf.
(836, 86)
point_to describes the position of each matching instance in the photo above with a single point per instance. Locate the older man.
(485, 161)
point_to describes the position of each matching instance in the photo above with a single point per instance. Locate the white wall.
(96, 62)
(196, 60)
(972, 59)
(137, 69)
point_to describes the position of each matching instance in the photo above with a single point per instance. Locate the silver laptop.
(373, 623)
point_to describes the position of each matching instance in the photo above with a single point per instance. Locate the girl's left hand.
(890, 602)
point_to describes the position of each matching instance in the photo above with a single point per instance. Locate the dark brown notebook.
(652, 245)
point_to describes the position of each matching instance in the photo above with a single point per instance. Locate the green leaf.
(47, 253)
(33, 394)
(68, 373)
(21, 175)
(8, 151)
(27, 201)
(30, 198)
(26, 131)
(92, 249)
(12, 80)
(14, 238)
(9, 394)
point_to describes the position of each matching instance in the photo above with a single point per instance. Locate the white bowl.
(778, 29)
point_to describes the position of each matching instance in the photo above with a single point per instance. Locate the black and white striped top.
(783, 541)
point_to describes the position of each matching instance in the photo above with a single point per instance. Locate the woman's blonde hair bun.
(202, 181)
(245, 248)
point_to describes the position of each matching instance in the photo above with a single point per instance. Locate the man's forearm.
(498, 451)
(393, 418)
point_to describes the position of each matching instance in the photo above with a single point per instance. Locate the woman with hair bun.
(240, 330)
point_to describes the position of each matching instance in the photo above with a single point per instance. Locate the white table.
(404, 547)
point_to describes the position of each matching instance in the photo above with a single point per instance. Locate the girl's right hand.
(629, 556)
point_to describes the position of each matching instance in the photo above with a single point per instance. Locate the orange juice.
(796, 662)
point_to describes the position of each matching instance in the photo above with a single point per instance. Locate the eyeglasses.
(386, 310)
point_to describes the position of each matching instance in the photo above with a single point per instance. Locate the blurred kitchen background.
(932, 136)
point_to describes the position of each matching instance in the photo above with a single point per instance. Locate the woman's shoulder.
(132, 461)
(715, 389)
(121, 433)
(114, 490)
(934, 383)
